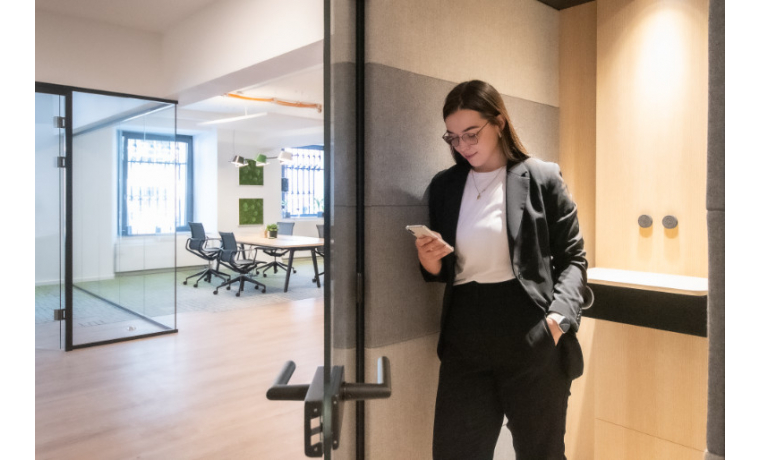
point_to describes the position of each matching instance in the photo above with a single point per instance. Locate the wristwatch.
(561, 321)
(564, 325)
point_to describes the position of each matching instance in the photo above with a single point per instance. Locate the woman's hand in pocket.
(554, 329)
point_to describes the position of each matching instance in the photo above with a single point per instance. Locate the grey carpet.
(152, 294)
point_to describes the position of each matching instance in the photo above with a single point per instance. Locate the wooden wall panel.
(654, 382)
(577, 114)
(579, 435)
(620, 443)
(651, 134)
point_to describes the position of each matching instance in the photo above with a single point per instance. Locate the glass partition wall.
(127, 195)
(49, 181)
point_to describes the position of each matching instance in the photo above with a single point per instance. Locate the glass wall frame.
(116, 293)
(49, 207)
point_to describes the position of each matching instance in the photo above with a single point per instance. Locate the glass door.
(348, 380)
(129, 197)
(334, 400)
(49, 218)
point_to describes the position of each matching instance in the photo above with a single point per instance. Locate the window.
(305, 177)
(155, 183)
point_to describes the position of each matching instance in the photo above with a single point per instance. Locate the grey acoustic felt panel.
(403, 134)
(404, 125)
(716, 390)
(400, 305)
(343, 255)
(344, 276)
(716, 139)
(537, 126)
(716, 322)
(344, 133)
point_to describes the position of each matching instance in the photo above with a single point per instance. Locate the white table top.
(676, 284)
(282, 241)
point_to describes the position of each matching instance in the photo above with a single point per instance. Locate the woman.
(515, 285)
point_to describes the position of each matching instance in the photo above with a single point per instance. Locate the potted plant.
(320, 206)
(272, 230)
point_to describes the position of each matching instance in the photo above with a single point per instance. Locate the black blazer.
(544, 237)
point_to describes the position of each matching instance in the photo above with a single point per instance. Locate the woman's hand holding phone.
(430, 251)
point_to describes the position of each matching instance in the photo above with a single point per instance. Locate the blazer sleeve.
(567, 251)
(434, 219)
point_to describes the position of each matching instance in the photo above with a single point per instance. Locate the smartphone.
(421, 230)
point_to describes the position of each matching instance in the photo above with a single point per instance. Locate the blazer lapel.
(454, 203)
(518, 180)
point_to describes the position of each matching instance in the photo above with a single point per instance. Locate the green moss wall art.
(251, 174)
(251, 211)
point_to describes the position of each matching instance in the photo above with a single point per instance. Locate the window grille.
(155, 183)
(305, 178)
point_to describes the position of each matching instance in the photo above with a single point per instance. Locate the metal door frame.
(68, 91)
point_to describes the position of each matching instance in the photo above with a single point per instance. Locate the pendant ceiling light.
(237, 160)
(284, 157)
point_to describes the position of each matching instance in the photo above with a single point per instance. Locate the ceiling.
(291, 79)
(147, 15)
(297, 84)
(303, 86)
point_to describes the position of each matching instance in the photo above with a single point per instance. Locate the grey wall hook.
(669, 222)
(645, 221)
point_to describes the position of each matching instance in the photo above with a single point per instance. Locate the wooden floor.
(197, 394)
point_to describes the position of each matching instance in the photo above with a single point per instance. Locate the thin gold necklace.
(475, 182)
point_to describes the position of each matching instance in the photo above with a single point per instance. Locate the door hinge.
(61, 162)
(59, 122)
(59, 314)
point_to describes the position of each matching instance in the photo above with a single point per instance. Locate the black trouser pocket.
(571, 355)
(539, 333)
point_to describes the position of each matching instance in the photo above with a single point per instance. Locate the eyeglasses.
(468, 138)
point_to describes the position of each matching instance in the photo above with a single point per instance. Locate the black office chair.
(229, 257)
(320, 250)
(283, 228)
(198, 245)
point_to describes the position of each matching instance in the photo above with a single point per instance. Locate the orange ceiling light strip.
(303, 105)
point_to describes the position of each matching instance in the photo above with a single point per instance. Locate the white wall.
(94, 205)
(205, 191)
(90, 54)
(230, 191)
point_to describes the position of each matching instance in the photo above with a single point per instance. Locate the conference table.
(291, 243)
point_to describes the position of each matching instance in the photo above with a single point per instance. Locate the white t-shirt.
(481, 245)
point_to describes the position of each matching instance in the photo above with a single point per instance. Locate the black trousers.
(498, 359)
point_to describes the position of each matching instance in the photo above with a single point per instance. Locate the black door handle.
(281, 391)
(379, 390)
(313, 397)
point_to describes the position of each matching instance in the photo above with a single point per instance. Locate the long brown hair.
(483, 98)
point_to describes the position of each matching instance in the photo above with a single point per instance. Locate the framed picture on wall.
(251, 211)
(251, 174)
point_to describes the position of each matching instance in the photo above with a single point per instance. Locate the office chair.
(283, 228)
(198, 245)
(321, 250)
(229, 257)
